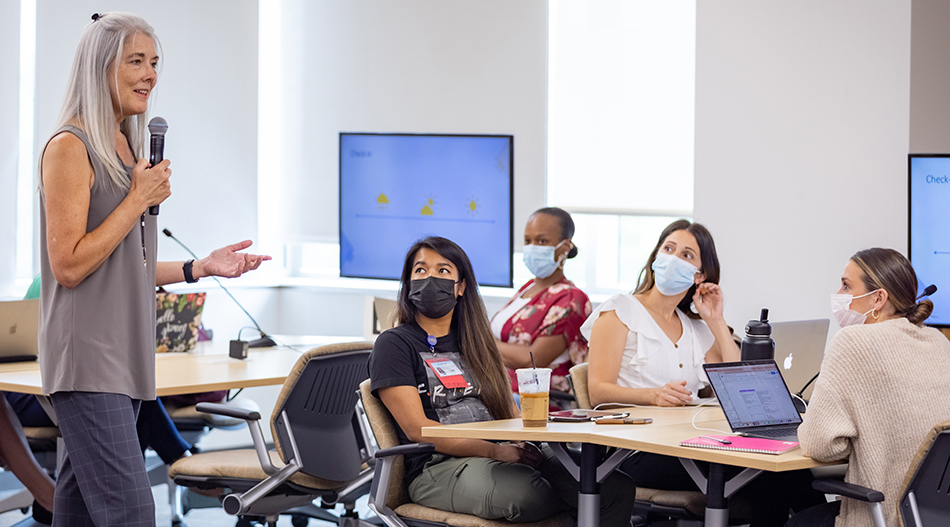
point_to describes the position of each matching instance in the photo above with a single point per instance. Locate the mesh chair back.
(579, 379)
(319, 399)
(384, 428)
(928, 481)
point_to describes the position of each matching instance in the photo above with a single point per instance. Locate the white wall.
(9, 115)
(420, 66)
(802, 113)
(207, 92)
(929, 78)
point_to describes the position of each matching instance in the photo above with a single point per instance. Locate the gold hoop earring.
(874, 314)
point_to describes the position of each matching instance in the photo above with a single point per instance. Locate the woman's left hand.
(228, 262)
(708, 301)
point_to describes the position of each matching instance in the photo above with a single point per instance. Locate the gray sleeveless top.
(100, 336)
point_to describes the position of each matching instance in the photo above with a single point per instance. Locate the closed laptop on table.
(799, 349)
(20, 325)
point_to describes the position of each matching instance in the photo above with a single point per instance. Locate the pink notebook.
(742, 444)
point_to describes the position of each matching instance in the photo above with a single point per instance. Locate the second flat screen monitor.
(398, 188)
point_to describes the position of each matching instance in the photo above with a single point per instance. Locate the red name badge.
(448, 373)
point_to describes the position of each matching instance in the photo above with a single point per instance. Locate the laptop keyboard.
(775, 432)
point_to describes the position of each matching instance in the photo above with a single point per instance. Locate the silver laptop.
(799, 348)
(19, 327)
(754, 399)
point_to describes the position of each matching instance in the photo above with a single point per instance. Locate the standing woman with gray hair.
(99, 271)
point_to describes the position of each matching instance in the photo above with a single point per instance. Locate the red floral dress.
(561, 309)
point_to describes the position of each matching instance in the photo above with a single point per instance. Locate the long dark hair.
(708, 259)
(470, 320)
(887, 269)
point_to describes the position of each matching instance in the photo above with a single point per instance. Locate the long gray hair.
(88, 99)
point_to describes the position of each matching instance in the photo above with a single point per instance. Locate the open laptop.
(19, 327)
(799, 349)
(754, 399)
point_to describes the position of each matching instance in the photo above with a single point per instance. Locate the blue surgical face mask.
(673, 275)
(539, 259)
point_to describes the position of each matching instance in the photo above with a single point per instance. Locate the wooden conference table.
(669, 427)
(206, 368)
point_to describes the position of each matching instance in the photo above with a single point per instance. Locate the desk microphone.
(928, 291)
(799, 398)
(265, 341)
(157, 127)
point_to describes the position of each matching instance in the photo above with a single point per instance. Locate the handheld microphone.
(265, 341)
(157, 127)
(928, 291)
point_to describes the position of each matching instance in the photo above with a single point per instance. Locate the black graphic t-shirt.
(399, 359)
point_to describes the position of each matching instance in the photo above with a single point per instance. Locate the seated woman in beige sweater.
(883, 385)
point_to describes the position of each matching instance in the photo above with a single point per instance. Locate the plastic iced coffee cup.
(534, 385)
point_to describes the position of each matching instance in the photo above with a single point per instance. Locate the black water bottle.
(758, 343)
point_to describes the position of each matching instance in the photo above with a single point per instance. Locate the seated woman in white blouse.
(648, 348)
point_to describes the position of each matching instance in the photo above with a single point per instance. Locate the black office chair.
(319, 446)
(925, 496)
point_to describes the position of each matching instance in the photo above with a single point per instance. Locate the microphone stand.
(265, 341)
(800, 399)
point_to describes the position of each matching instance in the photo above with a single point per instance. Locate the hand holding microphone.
(157, 128)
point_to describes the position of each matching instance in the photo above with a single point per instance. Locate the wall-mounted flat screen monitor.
(929, 234)
(398, 188)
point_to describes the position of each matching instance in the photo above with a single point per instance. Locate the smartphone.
(624, 421)
(576, 416)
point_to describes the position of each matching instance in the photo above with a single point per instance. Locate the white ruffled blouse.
(650, 358)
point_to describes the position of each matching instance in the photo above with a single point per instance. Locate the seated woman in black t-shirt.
(440, 365)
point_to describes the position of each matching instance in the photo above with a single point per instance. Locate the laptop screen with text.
(752, 394)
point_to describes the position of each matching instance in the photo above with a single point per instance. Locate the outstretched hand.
(228, 262)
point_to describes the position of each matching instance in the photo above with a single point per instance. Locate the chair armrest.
(849, 490)
(401, 450)
(382, 477)
(253, 419)
(228, 411)
(558, 395)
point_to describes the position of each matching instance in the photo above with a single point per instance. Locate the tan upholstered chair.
(389, 498)
(579, 382)
(192, 425)
(925, 494)
(319, 450)
(43, 444)
(653, 503)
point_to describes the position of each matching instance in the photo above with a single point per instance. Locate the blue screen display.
(396, 189)
(929, 235)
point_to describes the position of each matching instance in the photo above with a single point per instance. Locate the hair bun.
(920, 312)
(573, 252)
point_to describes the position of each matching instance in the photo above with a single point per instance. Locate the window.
(621, 120)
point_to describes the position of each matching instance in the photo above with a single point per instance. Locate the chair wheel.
(299, 521)
(178, 523)
(243, 522)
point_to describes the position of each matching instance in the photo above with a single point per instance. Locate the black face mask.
(434, 297)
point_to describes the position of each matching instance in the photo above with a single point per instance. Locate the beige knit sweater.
(882, 388)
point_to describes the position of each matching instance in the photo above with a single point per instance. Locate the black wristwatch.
(187, 269)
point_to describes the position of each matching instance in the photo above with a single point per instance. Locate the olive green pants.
(513, 491)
